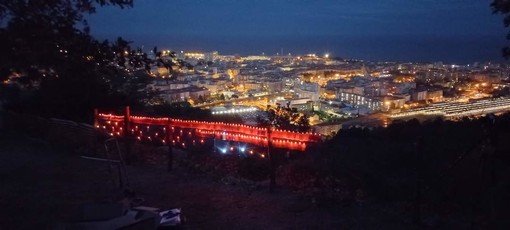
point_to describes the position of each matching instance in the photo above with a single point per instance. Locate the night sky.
(453, 31)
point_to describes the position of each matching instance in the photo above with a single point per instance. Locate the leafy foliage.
(63, 71)
(503, 7)
(285, 118)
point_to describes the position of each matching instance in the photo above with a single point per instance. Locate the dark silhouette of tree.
(47, 50)
(156, 52)
(503, 7)
(285, 118)
(434, 165)
(201, 99)
(170, 62)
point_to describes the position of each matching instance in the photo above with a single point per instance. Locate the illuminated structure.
(235, 110)
(459, 109)
(360, 100)
(256, 58)
(232, 73)
(164, 131)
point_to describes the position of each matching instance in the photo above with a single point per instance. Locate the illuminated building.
(375, 91)
(257, 58)
(273, 86)
(487, 76)
(405, 87)
(419, 94)
(357, 90)
(251, 85)
(194, 55)
(459, 109)
(308, 90)
(301, 104)
(232, 73)
(435, 95)
(392, 102)
(327, 93)
(183, 94)
(327, 129)
(359, 100)
(212, 56)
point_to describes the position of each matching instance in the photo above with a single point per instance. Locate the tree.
(201, 99)
(41, 32)
(285, 118)
(47, 50)
(503, 7)
(282, 118)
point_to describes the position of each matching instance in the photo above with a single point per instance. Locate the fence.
(172, 131)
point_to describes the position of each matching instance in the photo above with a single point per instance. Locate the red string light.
(236, 132)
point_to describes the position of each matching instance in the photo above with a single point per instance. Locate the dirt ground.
(41, 187)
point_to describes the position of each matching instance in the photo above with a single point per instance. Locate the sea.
(457, 49)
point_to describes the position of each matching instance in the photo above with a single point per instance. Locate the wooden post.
(168, 140)
(95, 135)
(127, 134)
(272, 163)
(96, 118)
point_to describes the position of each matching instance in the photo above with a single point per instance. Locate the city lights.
(458, 109)
(233, 111)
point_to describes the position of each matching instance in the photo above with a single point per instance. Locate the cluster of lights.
(112, 125)
(142, 133)
(294, 145)
(233, 111)
(194, 124)
(111, 117)
(241, 149)
(456, 109)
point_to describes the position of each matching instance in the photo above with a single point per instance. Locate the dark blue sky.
(414, 30)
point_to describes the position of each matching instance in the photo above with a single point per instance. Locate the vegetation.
(503, 7)
(429, 168)
(53, 67)
(285, 117)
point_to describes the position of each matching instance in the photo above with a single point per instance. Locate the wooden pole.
(127, 134)
(96, 118)
(168, 138)
(95, 135)
(272, 163)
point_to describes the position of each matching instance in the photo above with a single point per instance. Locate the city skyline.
(454, 32)
(255, 114)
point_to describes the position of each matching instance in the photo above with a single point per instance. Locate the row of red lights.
(117, 117)
(252, 139)
(232, 135)
(140, 137)
(115, 130)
